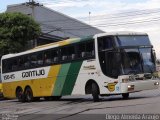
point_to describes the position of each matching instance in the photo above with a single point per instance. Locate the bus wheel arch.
(28, 93)
(92, 88)
(88, 86)
(19, 94)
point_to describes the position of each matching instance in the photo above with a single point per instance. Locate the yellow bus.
(103, 64)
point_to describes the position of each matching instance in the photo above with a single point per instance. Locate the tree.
(16, 29)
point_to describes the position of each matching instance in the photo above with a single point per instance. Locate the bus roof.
(69, 41)
(120, 33)
(48, 46)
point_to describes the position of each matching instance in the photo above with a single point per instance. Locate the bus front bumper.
(139, 85)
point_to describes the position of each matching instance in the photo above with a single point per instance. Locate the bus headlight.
(130, 87)
(156, 83)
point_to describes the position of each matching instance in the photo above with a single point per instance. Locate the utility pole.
(89, 18)
(32, 4)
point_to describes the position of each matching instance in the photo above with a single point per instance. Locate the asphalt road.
(82, 107)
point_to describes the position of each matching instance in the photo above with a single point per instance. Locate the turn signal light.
(125, 80)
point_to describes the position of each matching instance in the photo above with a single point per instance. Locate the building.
(55, 26)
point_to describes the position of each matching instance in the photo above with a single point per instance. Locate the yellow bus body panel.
(40, 87)
(1, 88)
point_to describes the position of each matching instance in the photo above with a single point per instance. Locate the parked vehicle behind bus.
(103, 64)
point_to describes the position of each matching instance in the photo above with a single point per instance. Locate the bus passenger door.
(112, 64)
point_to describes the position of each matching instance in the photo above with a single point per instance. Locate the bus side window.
(4, 66)
(21, 63)
(90, 49)
(71, 53)
(33, 60)
(40, 58)
(7, 66)
(26, 61)
(64, 54)
(81, 50)
(47, 57)
(105, 43)
(14, 64)
(54, 56)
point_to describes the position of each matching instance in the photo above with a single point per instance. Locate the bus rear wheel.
(20, 95)
(28, 95)
(95, 92)
(125, 95)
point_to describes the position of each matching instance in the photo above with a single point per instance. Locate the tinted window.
(90, 49)
(40, 58)
(7, 65)
(112, 64)
(47, 57)
(14, 64)
(33, 60)
(64, 53)
(133, 40)
(68, 53)
(105, 43)
(21, 62)
(77, 51)
(86, 50)
(27, 63)
(54, 56)
(71, 53)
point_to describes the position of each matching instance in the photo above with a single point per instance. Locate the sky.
(110, 15)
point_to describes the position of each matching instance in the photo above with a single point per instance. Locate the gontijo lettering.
(33, 73)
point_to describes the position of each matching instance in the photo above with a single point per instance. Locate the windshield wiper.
(150, 68)
(133, 72)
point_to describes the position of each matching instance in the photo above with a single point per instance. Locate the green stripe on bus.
(61, 79)
(71, 78)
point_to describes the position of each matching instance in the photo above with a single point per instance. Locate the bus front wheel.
(28, 95)
(95, 92)
(125, 95)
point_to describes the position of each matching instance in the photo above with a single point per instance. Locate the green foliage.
(15, 30)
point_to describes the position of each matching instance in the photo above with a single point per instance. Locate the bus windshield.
(131, 61)
(123, 55)
(136, 40)
(137, 61)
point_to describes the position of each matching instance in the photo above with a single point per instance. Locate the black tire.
(28, 95)
(56, 97)
(48, 98)
(36, 99)
(95, 92)
(20, 95)
(125, 95)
